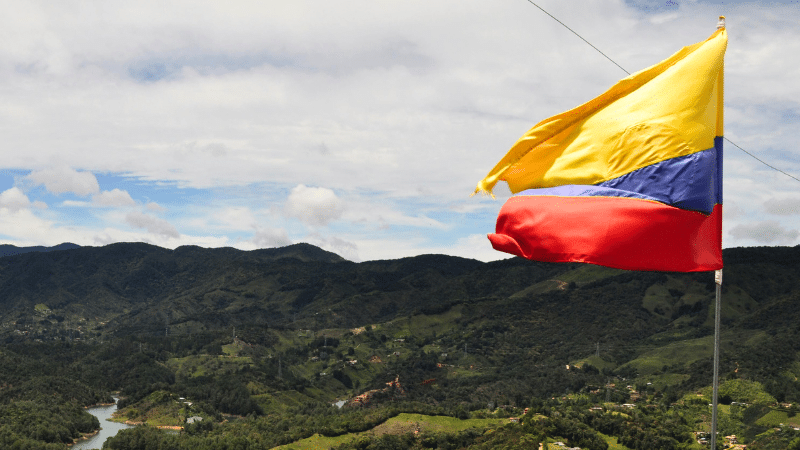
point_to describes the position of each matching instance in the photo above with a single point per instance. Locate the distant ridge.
(136, 288)
(302, 251)
(10, 250)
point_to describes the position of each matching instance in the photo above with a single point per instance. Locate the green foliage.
(744, 391)
(466, 339)
(776, 439)
(43, 422)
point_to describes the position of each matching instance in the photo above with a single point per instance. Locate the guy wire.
(623, 69)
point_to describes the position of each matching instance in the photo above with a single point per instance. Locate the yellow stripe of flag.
(671, 109)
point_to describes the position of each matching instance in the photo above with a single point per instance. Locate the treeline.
(300, 422)
(33, 424)
(41, 401)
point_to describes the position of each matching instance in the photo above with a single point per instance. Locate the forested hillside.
(260, 344)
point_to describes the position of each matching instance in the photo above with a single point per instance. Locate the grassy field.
(199, 365)
(580, 276)
(588, 273)
(401, 424)
(596, 362)
(686, 352)
(158, 409)
(776, 417)
(422, 325)
(612, 442)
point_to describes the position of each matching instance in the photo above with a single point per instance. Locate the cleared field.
(683, 352)
(401, 424)
(613, 443)
(777, 418)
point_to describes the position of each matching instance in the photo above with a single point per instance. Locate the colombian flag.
(631, 179)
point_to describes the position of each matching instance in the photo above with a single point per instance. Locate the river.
(107, 428)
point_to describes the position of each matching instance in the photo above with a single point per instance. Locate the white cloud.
(765, 232)
(14, 200)
(732, 211)
(153, 206)
(475, 246)
(114, 197)
(76, 204)
(24, 228)
(152, 224)
(270, 238)
(62, 179)
(234, 218)
(342, 247)
(397, 108)
(111, 235)
(315, 206)
(382, 213)
(783, 206)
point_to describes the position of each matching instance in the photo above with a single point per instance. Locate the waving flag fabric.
(631, 179)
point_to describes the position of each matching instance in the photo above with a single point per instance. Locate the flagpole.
(717, 308)
(717, 314)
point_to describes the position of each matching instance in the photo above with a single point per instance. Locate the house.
(702, 437)
(194, 419)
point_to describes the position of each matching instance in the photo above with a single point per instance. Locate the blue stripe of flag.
(692, 182)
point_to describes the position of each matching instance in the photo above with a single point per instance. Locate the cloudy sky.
(358, 126)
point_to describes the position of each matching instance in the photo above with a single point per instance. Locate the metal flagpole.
(717, 314)
(718, 281)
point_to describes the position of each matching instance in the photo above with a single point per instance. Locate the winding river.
(107, 428)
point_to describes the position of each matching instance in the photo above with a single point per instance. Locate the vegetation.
(428, 352)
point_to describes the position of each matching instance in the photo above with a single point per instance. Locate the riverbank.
(87, 436)
(108, 428)
(84, 437)
(160, 427)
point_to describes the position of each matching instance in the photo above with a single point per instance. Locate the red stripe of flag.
(625, 233)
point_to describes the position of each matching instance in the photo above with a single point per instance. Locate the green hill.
(280, 334)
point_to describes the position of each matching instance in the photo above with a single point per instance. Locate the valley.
(275, 347)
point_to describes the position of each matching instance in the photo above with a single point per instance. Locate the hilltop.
(9, 250)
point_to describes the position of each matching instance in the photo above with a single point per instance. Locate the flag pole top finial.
(721, 23)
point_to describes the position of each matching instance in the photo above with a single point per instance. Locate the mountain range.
(141, 289)
(282, 333)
